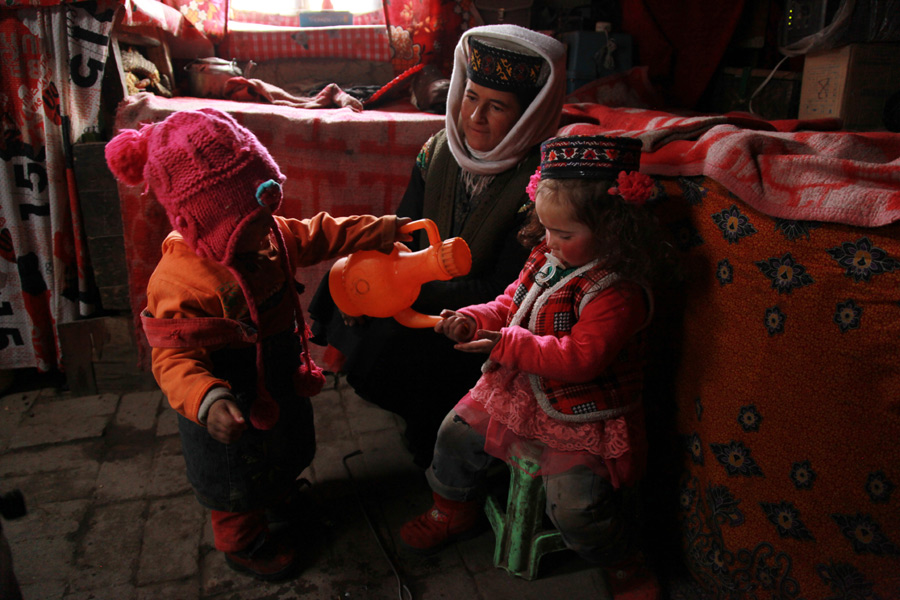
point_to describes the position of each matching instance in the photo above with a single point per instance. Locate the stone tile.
(386, 459)
(43, 560)
(138, 410)
(65, 420)
(348, 561)
(20, 402)
(57, 486)
(47, 519)
(119, 592)
(478, 553)
(171, 538)
(365, 417)
(216, 577)
(583, 584)
(14, 408)
(125, 476)
(327, 470)
(167, 422)
(285, 590)
(52, 474)
(168, 476)
(186, 589)
(447, 585)
(330, 416)
(110, 549)
(44, 590)
(53, 458)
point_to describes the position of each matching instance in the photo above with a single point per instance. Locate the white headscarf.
(538, 122)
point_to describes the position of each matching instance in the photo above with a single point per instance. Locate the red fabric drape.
(427, 31)
(207, 16)
(682, 42)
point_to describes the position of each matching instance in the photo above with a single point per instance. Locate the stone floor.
(111, 516)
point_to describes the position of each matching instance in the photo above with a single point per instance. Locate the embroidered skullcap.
(495, 64)
(593, 157)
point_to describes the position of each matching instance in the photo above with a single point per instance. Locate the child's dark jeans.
(261, 467)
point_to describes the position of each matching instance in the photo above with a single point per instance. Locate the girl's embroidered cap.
(592, 157)
(502, 68)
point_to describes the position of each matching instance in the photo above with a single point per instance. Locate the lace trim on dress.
(506, 396)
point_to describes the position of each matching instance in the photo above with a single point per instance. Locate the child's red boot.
(447, 521)
(266, 558)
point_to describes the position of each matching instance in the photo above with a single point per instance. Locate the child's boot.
(447, 521)
(266, 558)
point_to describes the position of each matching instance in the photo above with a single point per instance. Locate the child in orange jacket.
(224, 319)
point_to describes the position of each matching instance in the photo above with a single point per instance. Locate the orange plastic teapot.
(375, 284)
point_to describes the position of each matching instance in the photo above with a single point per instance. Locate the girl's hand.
(483, 343)
(225, 422)
(456, 326)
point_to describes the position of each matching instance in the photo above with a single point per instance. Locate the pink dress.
(503, 408)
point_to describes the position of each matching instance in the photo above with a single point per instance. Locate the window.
(293, 7)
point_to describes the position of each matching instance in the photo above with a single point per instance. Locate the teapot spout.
(415, 320)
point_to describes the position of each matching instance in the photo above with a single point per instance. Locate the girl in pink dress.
(566, 348)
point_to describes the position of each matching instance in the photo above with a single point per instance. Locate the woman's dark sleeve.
(413, 201)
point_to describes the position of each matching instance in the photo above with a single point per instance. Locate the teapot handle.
(430, 228)
(415, 320)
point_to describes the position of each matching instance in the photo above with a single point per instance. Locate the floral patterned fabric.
(207, 16)
(786, 379)
(427, 31)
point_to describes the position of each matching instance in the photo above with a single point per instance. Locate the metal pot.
(207, 76)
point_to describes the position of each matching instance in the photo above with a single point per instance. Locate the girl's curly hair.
(628, 237)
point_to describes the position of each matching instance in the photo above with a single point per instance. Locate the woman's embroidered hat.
(206, 170)
(502, 68)
(589, 157)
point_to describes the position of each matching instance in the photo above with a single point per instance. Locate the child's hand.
(402, 236)
(225, 422)
(456, 326)
(483, 343)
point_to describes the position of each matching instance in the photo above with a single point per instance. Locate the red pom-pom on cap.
(126, 155)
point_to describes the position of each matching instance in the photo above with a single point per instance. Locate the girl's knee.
(585, 511)
(455, 434)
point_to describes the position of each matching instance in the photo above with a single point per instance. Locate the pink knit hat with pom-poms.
(205, 169)
(212, 176)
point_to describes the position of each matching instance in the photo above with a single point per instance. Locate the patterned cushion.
(787, 400)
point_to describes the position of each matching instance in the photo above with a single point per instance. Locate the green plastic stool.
(519, 526)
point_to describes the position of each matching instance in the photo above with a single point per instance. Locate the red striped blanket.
(799, 170)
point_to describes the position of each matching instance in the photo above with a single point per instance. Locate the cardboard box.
(851, 83)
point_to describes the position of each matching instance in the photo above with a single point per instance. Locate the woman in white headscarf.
(505, 98)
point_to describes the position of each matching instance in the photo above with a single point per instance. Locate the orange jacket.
(183, 285)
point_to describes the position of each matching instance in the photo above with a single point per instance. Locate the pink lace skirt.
(503, 409)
